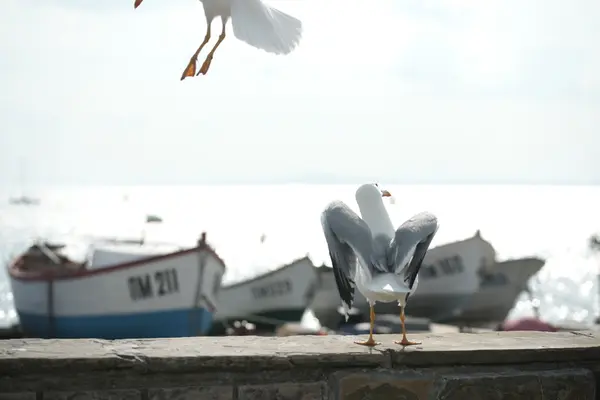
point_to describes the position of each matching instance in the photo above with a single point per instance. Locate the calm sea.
(553, 222)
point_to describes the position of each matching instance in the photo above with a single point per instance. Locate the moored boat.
(122, 290)
(501, 284)
(24, 201)
(268, 300)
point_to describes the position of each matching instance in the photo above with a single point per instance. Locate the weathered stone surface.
(287, 391)
(251, 353)
(192, 393)
(18, 396)
(235, 353)
(94, 395)
(470, 365)
(497, 348)
(382, 385)
(556, 385)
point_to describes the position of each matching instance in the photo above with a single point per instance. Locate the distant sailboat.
(152, 218)
(23, 199)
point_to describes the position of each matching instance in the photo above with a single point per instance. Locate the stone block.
(192, 393)
(496, 348)
(248, 354)
(382, 385)
(94, 395)
(569, 384)
(283, 391)
(18, 396)
(572, 384)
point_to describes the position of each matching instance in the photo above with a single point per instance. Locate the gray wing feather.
(417, 233)
(348, 238)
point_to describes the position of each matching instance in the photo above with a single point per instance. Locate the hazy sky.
(393, 90)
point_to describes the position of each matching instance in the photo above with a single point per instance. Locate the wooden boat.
(123, 290)
(268, 300)
(501, 284)
(447, 281)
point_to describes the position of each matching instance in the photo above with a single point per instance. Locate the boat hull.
(496, 298)
(440, 308)
(167, 323)
(425, 308)
(268, 300)
(170, 295)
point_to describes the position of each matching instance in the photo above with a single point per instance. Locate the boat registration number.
(157, 284)
(278, 288)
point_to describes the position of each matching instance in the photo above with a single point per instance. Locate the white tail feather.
(265, 27)
(387, 284)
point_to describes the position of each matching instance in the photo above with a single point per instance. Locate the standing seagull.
(388, 261)
(253, 22)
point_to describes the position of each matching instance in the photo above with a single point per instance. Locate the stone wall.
(470, 366)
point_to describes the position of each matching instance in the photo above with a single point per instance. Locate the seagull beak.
(385, 193)
(137, 3)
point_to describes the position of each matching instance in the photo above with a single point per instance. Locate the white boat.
(501, 284)
(447, 280)
(24, 201)
(268, 300)
(123, 290)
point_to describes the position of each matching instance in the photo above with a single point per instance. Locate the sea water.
(257, 228)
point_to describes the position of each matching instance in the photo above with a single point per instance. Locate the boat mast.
(594, 247)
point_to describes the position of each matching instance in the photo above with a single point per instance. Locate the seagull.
(253, 22)
(367, 253)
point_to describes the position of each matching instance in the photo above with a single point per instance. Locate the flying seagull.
(367, 253)
(253, 22)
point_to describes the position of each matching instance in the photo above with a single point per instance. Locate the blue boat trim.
(168, 323)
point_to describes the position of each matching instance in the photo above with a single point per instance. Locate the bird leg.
(404, 342)
(209, 57)
(190, 70)
(370, 341)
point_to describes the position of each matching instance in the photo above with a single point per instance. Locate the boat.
(152, 218)
(24, 201)
(500, 285)
(120, 290)
(268, 300)
(447, 280)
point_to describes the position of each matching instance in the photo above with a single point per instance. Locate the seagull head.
(384, 193)
(370, 193)
(137, 3)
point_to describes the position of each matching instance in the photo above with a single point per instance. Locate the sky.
(403, 91)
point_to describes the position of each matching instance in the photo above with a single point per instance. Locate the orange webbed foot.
(190, 70)
(405, 342)
(205, 66)
(369, 343)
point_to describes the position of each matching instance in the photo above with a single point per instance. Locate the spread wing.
(265, 27)
(410, 243)
(348, 239)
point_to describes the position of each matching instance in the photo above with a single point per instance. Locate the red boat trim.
(17, 273)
